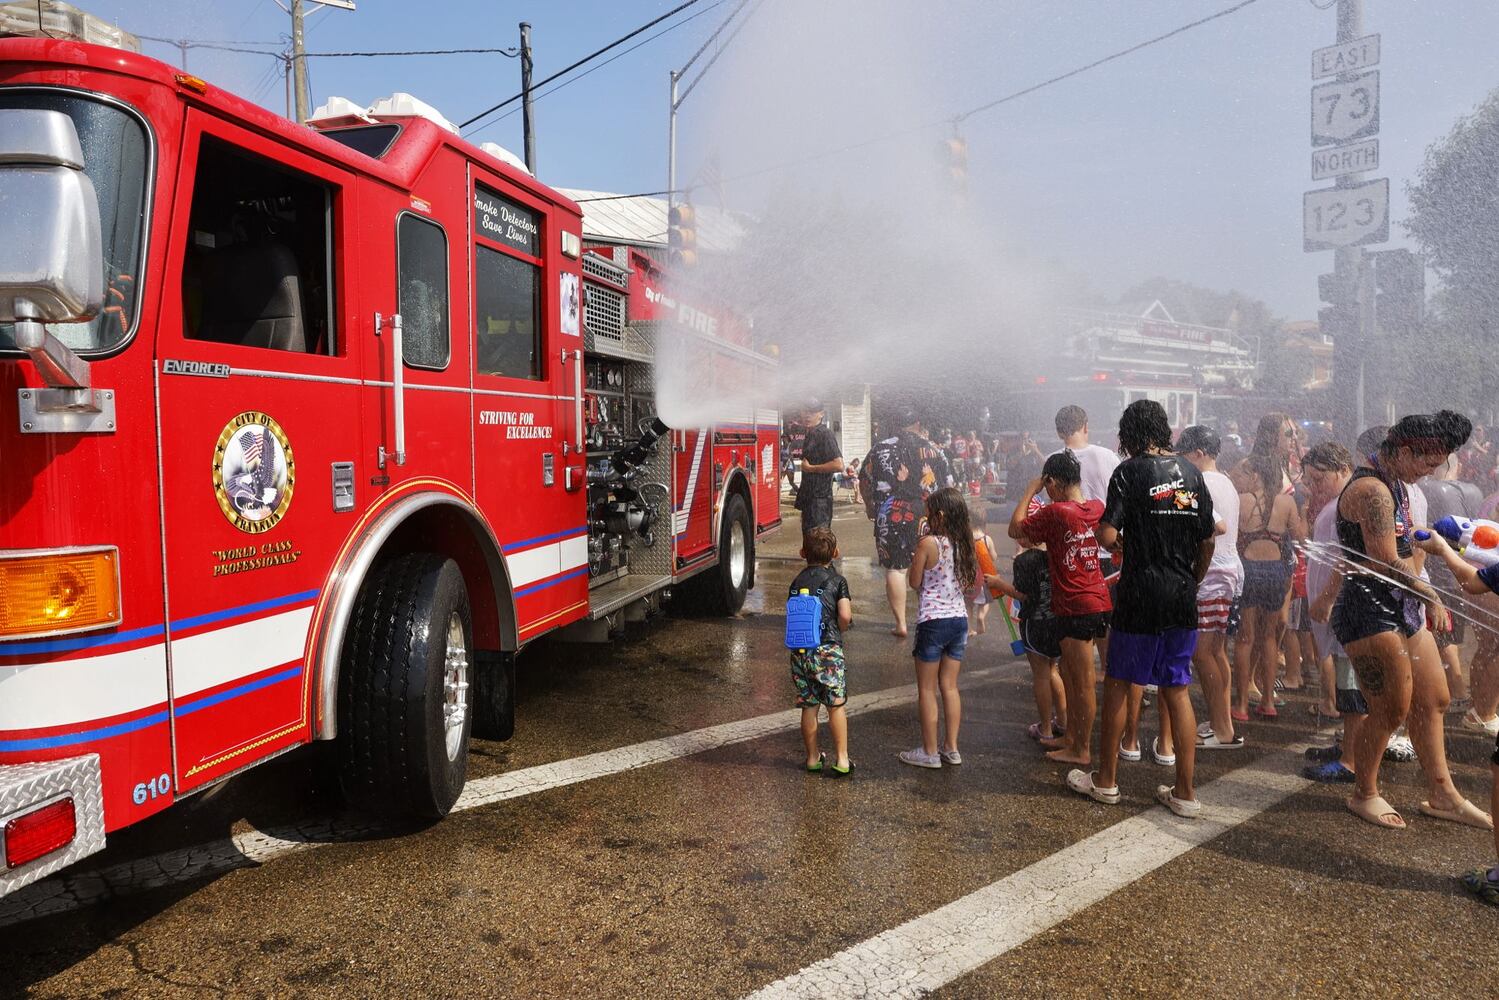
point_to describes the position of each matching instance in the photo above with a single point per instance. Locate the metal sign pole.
(1350, 342)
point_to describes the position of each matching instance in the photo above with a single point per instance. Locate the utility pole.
(286, 78)
(299, 60)
(671, 145)
(1354, 337)
(528, 123)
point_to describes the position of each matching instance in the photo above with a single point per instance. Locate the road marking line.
(936, 948)
(72, 890)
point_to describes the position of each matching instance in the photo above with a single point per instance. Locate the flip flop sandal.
(822, 759)
(1212, 742)
(1479, 884)
(1378, 810)
(834, 771)
(1466, 814)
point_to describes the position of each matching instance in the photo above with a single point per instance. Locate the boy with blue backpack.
(818, 609)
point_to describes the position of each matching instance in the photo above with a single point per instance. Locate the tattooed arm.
(1370, 504)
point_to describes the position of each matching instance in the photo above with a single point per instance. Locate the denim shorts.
(939, 637)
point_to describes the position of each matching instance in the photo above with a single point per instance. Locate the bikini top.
(1263, 532)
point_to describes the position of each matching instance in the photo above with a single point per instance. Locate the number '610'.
(157, 787)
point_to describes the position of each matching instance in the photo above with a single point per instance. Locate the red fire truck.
(306, 433)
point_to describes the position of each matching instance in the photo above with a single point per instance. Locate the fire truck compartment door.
(258, 375)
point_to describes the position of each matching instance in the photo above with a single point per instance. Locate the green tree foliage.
(1454, 217)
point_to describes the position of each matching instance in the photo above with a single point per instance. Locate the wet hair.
(819, 546)
(1329, 456)
(1070, 420)
(1372, 440)
(1063, 468)
(947, 516)
(1267, 471)
(1429, 433)
(1143, 426)
(1268, 435)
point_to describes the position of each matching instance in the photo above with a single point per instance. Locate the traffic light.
(1400, 302)
(954, 153)
(1340, 316)
(681, 235)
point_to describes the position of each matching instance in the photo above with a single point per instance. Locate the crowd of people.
(1189, 557)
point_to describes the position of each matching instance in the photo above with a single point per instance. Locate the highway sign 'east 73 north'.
(1344, 110)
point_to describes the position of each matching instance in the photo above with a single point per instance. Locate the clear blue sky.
(1187, 159)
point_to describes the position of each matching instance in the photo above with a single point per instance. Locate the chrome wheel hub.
(454, 687)
(738, 552)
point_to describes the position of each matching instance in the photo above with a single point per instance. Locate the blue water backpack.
(804, 613)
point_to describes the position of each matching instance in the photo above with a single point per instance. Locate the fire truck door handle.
(398, 384)
(578, 399)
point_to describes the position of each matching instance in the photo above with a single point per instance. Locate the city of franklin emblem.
(253, 472)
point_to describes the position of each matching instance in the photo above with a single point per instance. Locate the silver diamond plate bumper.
(23, 787)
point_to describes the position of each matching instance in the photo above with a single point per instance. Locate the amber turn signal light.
(56, 592)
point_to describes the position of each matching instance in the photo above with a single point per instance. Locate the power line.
(1106, 59)
(721, 49)
(511, 52)
(953, 119)
(620, 55)
(588, 58)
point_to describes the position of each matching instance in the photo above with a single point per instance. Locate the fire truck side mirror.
(51, 254)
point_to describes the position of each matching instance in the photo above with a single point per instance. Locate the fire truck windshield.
(116, 157)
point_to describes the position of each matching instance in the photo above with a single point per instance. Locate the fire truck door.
(258, 393)
(528, 368)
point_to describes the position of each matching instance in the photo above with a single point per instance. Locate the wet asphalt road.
(719, 872)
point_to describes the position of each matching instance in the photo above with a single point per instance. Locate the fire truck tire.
(404, 711)
(726, 584)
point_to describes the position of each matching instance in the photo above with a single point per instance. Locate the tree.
(1454, 217)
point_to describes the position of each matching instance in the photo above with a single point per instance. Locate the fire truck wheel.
(728, 582)
(404, 707)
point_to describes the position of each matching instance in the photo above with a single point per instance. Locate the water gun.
(1476, 540)
(1017, 645)
(986, 564)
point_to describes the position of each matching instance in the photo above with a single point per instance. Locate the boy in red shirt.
(1079, 598)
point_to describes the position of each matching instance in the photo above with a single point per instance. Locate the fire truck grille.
(606, 314)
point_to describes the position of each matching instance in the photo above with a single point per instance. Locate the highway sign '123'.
(1345, 109)
(1346, 217)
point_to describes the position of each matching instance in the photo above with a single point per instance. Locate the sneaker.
(950, 756)
(1165, 760)
(1489, 727)
(1081, 782)
(1322, 755)
(1129, 755)
(1331, 771)
(920, 758)
(1400, 750)
(1204, 729)
(1212, 742)
(1185, 808)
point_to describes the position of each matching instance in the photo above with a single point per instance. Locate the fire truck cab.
(307, 432)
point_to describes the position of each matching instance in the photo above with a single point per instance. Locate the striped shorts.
(1217, 607)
